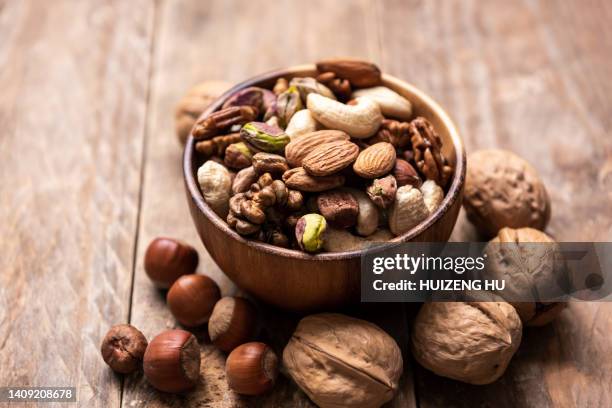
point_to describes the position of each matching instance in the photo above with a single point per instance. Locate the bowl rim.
(453, 194)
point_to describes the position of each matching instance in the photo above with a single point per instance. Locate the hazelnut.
(233, 322)
(405, 174)
(167, 259)
(342, 361)
(123, 347)
(503, 190)
(172, 361)
(339, 208)
(530, 256)
(470, 342)
(251, 369)
(192, 298)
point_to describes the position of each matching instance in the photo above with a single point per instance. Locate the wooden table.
(90, 168)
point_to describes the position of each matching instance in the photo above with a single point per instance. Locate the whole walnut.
(503, 190)
(529, 262)
(471, 342)
(342, 361)
(193, 104)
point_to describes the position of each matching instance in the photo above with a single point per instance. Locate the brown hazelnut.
(172, 361)
(405, 174)
(192, 298)
(123, 348)
(233, 322)
(339, 208)
(167, 259)
(532, 257)
(471, 342)
(503, 190)
(251, 369)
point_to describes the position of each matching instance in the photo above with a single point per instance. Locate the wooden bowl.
(295, 280)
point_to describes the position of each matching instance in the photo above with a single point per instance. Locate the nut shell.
(470, 342)
(172, 361)
(192, 298)
(232, 323)
(251, 369)
(123, 348)
(527, 259)
(167, 259)
(342, 361)
(503, 190)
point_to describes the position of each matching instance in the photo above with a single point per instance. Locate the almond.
(375, 161)
(329, 158)
(361, 74)
(300, 146)
(298, 179)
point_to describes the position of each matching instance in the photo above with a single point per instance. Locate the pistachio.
(382, 191)
(310, 231)
(280, 86)
(310, 85)
(251, 96)
(216, 184)
(269, 163)
(301, 123)
(262, 137)
(237, 156)
(287, 104)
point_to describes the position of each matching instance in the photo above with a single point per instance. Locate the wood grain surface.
(90, 169)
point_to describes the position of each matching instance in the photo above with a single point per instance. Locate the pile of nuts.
(324, 154)
(171, 361)
(329, 162)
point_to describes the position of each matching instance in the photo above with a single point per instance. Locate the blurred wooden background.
(90, 169)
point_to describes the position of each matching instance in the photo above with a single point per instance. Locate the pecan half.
(340, 87)
(208, 127)
(426, 146)
(392, 131)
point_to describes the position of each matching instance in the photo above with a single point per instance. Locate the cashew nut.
(408, 210)
(390, 102)
(367, 219)
(301, 123)
(360, 121)
(216, 183)
(432, 195)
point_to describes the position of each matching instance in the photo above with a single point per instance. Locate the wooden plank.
(533, 78)
(227, 40)
(74, 79)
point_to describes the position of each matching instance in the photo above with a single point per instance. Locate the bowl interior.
(452, 147)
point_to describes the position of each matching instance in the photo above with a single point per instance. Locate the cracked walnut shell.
(342, 361)
(471, 342)
(503, 190)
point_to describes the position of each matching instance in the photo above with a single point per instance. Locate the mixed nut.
(330, 163)
(290, 164)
